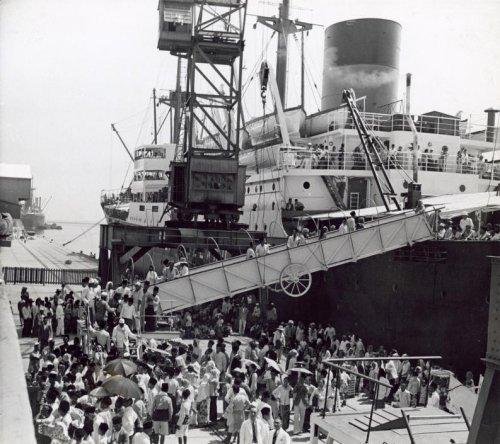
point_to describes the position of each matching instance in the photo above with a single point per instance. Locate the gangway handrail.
(310, 240)
(292, 267)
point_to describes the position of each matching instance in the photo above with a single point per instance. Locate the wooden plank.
(438, 428)
(420, 418)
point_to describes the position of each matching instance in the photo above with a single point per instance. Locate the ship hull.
(418, 305)
(33, 221)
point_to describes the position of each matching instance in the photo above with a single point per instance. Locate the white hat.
(121, 321)
(138, 283)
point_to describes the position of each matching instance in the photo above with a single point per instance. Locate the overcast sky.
(69, 68)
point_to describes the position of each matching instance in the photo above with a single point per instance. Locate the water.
(87, 243)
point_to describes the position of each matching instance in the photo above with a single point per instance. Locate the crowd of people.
(464, 229)
(104, 382)
(327, 156)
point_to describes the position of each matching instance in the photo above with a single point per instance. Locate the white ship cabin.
(144, 201)
(325, 166)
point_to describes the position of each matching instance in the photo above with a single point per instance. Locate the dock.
(41, 253)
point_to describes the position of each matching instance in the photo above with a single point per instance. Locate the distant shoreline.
(72, 223)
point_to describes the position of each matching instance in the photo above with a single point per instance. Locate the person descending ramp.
(291, 269)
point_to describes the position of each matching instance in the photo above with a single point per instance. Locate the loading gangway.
(291, 269)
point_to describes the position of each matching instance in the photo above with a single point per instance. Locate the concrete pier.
(41, 253)
(15, 410)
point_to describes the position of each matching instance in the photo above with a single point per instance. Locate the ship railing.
(431, 124)
(116, 197)
(354, 160)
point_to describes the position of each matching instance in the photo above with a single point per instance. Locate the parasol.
(248, 362)
(121, 386)
(99, 392)
(123, 367)
(271, 363)
(301, 370)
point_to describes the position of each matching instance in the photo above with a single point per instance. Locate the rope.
(84, 232)
(309, 77)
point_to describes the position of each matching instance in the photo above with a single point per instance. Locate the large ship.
(32, 215)
(309, 170)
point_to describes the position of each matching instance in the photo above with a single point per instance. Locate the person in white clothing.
(60, 319)
(183, 269)
(250, 251)
(278, 435)
(433, 400)
(121, 336)
(262, 248)
(129, 417)
(254, 430)
(465, 221)
(140, 437)
(293, 239)
(402, 398)
(152, 276)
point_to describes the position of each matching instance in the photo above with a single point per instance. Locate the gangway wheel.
(295, 280)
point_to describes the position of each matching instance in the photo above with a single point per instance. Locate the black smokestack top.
(408, 79)
(362, 54)
(490, 124)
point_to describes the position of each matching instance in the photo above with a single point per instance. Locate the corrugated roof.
(17, 170)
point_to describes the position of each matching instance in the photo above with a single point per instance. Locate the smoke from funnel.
(363, 55)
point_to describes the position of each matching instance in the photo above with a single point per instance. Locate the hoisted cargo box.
(176, 24)
(207, 182)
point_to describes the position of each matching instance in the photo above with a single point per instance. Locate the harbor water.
(82, 237)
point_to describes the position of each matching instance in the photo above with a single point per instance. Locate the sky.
(68, 69)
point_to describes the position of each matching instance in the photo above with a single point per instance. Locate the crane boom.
(122, 142)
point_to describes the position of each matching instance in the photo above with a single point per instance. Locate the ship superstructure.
(315, 158)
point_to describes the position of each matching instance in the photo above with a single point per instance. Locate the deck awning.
(453, 205)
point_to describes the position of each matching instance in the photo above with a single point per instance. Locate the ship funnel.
(408, 93)
(490, 128)
(361, 54)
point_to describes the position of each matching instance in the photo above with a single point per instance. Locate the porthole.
(248, 190)
(394, 288)
(254, 207)
(461, 188)
(273, 205)
(256, 227)
(306, 185)
(256, 188)
(274, 187)
(265, 227)
(260, 188)
(405, 185)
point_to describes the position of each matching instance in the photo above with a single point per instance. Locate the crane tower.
(205, 177)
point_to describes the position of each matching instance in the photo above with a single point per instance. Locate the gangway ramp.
(291, 268)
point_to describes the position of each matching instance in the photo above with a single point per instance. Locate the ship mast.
(283, 26)
(155, 138)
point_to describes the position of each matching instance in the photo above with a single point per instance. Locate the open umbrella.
(99, 392)
(122, 367)
(121, 386)
(301, 370)
(271, 363)
(249, 362)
